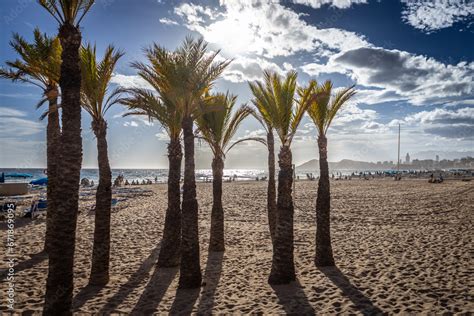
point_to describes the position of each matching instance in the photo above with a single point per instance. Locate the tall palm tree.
(96, 77)
(60, 284)
(323, 108)
(186, 75)
(158, 107)
(260, 101)
(217, 125)
(39, 64)
(277, 96)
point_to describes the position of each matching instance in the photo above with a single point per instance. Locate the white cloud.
(391, 75)
(167, 21)
(433, 15)
(314, 69)
(131, 124)
(458, 124)
(162, 135)
(130, 81)
(11, 112)
(340, 4)
(243, 69)
(263, 28)
(15, 126)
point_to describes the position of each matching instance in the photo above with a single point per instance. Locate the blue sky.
(412, 63)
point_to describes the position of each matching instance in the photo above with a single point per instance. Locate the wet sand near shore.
(400, 247)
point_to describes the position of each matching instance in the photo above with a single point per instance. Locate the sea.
(161, 175)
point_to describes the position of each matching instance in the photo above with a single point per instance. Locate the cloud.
(419, 79)
(340, 4)
(243, 69)
(15, 126)
(163, 135)
(167, 21)
(432, 15)
(263, 28)
(131, 124)
(314, 69)
(130, 81)
(457, 124)
(6, 112)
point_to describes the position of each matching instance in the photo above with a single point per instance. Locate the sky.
(411, 61)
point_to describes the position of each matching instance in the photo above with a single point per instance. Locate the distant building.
(407, 159)
(437, 158)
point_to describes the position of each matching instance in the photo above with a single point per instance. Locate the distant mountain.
(313, 164)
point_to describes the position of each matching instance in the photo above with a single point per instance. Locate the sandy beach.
(400, 247)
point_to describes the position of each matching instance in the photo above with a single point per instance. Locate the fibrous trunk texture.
(53, 134)
(271, 192)
(283, 268)
(171, 243)
(103, 203)
(324, 256)
(216, 242)
(59, 285)
(190, 269)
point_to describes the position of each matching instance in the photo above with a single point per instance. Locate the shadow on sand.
(293, 299)
(35, 259)
(212, 276)
(361, 302)
(133, 282)
(154, 291)
(186, 298)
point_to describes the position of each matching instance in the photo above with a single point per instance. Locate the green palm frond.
(39, 62)
(145, 102)
(324, 105)
(96, 76)
(67, 11)
(274, 99)
(217, 124)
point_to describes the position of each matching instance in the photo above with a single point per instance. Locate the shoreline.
(400, 247)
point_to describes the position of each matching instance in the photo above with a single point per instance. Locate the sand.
(400, 247)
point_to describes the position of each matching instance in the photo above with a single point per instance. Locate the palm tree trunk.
(271, 192)
(324, 255)
(103, 202)
(190, 269)
(59, 285)
(216, 242)
(171, 243)
(53, 134)
(283, 267)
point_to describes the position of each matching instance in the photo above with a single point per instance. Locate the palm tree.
(260, 102)
(158, 107)
(323, 108)
(277, 97)
(60, 284)
(39, 64)
(186, 75)
(217, 125)
(96, 77)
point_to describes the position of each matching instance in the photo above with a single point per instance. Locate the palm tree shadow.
(85, 294)
(133, 282)
(361, 302)
(154, 291)
(293, 299)
(35, 259)
(212, 276)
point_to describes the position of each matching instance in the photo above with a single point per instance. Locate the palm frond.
(67, 11)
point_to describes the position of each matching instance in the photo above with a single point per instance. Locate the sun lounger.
(37, 208)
